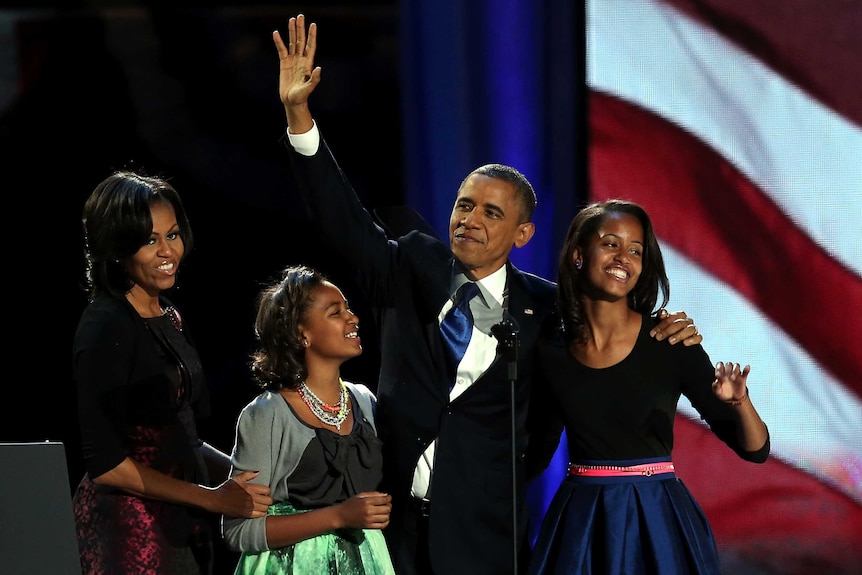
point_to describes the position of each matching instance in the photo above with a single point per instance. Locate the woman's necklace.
(333, 415)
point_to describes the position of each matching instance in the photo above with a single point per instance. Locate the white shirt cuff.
(307, 142)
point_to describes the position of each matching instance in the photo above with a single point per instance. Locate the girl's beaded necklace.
(333, 415)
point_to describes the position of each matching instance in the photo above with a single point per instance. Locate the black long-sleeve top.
(625, 411)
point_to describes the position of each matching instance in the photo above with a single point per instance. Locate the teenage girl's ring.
(695, 329)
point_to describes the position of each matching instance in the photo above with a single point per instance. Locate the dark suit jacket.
(406, 281)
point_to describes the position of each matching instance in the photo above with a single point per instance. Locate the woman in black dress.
(141, 507)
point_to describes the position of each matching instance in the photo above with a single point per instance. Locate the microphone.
(506, 333)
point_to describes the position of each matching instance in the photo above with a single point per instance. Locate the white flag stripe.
(815, 423)
(796, 150)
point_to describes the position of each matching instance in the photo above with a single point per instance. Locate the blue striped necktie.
(457, 327)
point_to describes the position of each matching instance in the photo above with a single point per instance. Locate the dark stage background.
(190, 94)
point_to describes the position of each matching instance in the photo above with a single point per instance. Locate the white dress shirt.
(481, 352)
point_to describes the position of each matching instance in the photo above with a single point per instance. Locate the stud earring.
(305, 343)
(578, 264)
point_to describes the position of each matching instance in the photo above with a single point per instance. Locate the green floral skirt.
(341, 552)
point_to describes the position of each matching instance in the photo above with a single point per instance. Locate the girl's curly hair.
(279, 361)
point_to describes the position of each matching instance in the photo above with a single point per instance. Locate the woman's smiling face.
(154, 266)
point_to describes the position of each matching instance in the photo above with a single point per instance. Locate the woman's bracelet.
(740, 400)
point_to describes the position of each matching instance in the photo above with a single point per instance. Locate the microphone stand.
(506, 333)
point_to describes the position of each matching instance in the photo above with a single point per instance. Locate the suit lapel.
(518, 303)
(521, 308)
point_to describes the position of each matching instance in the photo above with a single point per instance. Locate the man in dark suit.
(447, 439)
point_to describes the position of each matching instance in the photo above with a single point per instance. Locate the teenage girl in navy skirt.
(614, 389)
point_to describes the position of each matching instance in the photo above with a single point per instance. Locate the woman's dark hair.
(653, 277)
(279, 361)
(117, 222)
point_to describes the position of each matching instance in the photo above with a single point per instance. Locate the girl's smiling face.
(613, 258)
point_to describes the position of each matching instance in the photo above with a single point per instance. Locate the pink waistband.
(645, 469)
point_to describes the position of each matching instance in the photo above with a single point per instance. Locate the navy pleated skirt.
(648, 525)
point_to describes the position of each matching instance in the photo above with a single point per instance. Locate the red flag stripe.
(637, 156)
(815, 45)
(804, 156)
(767, 512)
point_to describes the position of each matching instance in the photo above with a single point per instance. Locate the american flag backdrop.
(738, 125)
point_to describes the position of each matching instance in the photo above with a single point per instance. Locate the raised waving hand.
(297, 77)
